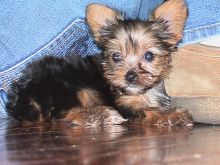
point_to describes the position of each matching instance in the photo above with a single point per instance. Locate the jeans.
(32, 29)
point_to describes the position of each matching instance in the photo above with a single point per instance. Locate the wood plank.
(59, 143)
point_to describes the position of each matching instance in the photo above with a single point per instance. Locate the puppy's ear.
(100, 17)
(174, 14)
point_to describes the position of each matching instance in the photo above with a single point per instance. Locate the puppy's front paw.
(177, 117)
(101, 115)
(110, 116)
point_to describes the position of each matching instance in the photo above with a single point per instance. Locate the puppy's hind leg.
(92, 110)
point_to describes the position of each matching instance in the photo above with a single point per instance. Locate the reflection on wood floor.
(59, 143)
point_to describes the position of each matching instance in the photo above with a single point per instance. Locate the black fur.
(52, 83)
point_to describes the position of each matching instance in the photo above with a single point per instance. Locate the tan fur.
(37, 107)
(177, 117)
(98, 16)
(136, 102)
(153, 117)
(89, 98)
(149, 72)
(74, 115)
(175, 13)
(143, 39)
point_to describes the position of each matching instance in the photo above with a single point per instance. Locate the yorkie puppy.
(124, 83)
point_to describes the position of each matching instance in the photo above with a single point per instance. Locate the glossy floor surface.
(56, 144)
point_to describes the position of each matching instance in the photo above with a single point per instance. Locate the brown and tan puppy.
(125, 83)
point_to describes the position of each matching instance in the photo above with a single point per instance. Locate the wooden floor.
(56, 144)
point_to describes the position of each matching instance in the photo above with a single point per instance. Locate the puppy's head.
(137, 53)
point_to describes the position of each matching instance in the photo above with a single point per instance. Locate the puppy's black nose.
(131, 76)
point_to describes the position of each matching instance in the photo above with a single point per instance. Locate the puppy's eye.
(149, 56)
(116, 57)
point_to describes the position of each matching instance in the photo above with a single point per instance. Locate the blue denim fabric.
(32, 29)
(203, 21)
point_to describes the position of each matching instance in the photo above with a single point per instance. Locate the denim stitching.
(203, 27)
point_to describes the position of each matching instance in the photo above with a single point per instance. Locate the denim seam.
(199, 34)
(1, 112)
(203, 27)
(22, 62)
